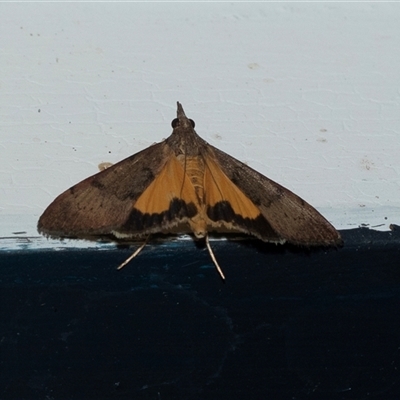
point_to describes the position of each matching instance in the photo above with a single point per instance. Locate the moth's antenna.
(214, 259)
(134, 254)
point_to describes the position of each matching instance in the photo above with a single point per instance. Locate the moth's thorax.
(184, 140)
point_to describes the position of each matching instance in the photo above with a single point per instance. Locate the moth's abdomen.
(194, 170)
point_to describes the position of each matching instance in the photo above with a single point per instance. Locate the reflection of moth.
(184, 185)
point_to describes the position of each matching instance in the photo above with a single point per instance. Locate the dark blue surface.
(286, 324)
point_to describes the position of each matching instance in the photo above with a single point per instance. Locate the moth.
(184, 185)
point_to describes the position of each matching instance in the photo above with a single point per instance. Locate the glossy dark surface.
(286, 324)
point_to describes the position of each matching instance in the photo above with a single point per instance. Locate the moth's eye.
(175, 122)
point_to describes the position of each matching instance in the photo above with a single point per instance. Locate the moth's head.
(182, 121)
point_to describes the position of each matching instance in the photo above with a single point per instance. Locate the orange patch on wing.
(218, 187)
(171, 183)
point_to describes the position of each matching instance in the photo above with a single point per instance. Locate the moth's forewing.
(292, 218)
(103, 202)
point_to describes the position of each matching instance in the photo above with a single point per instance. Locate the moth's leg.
(134, 254)
(214, 259)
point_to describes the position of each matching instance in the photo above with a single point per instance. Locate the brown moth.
(184, 185)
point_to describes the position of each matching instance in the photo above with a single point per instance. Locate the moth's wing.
(103, 202)
(283, 216)
(228, 209)
(165, 206)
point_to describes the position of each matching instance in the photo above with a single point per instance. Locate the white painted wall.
(306, 93)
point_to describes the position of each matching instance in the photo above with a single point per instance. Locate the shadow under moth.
(184, 185)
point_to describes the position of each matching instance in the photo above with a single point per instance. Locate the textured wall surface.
(308, 94)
